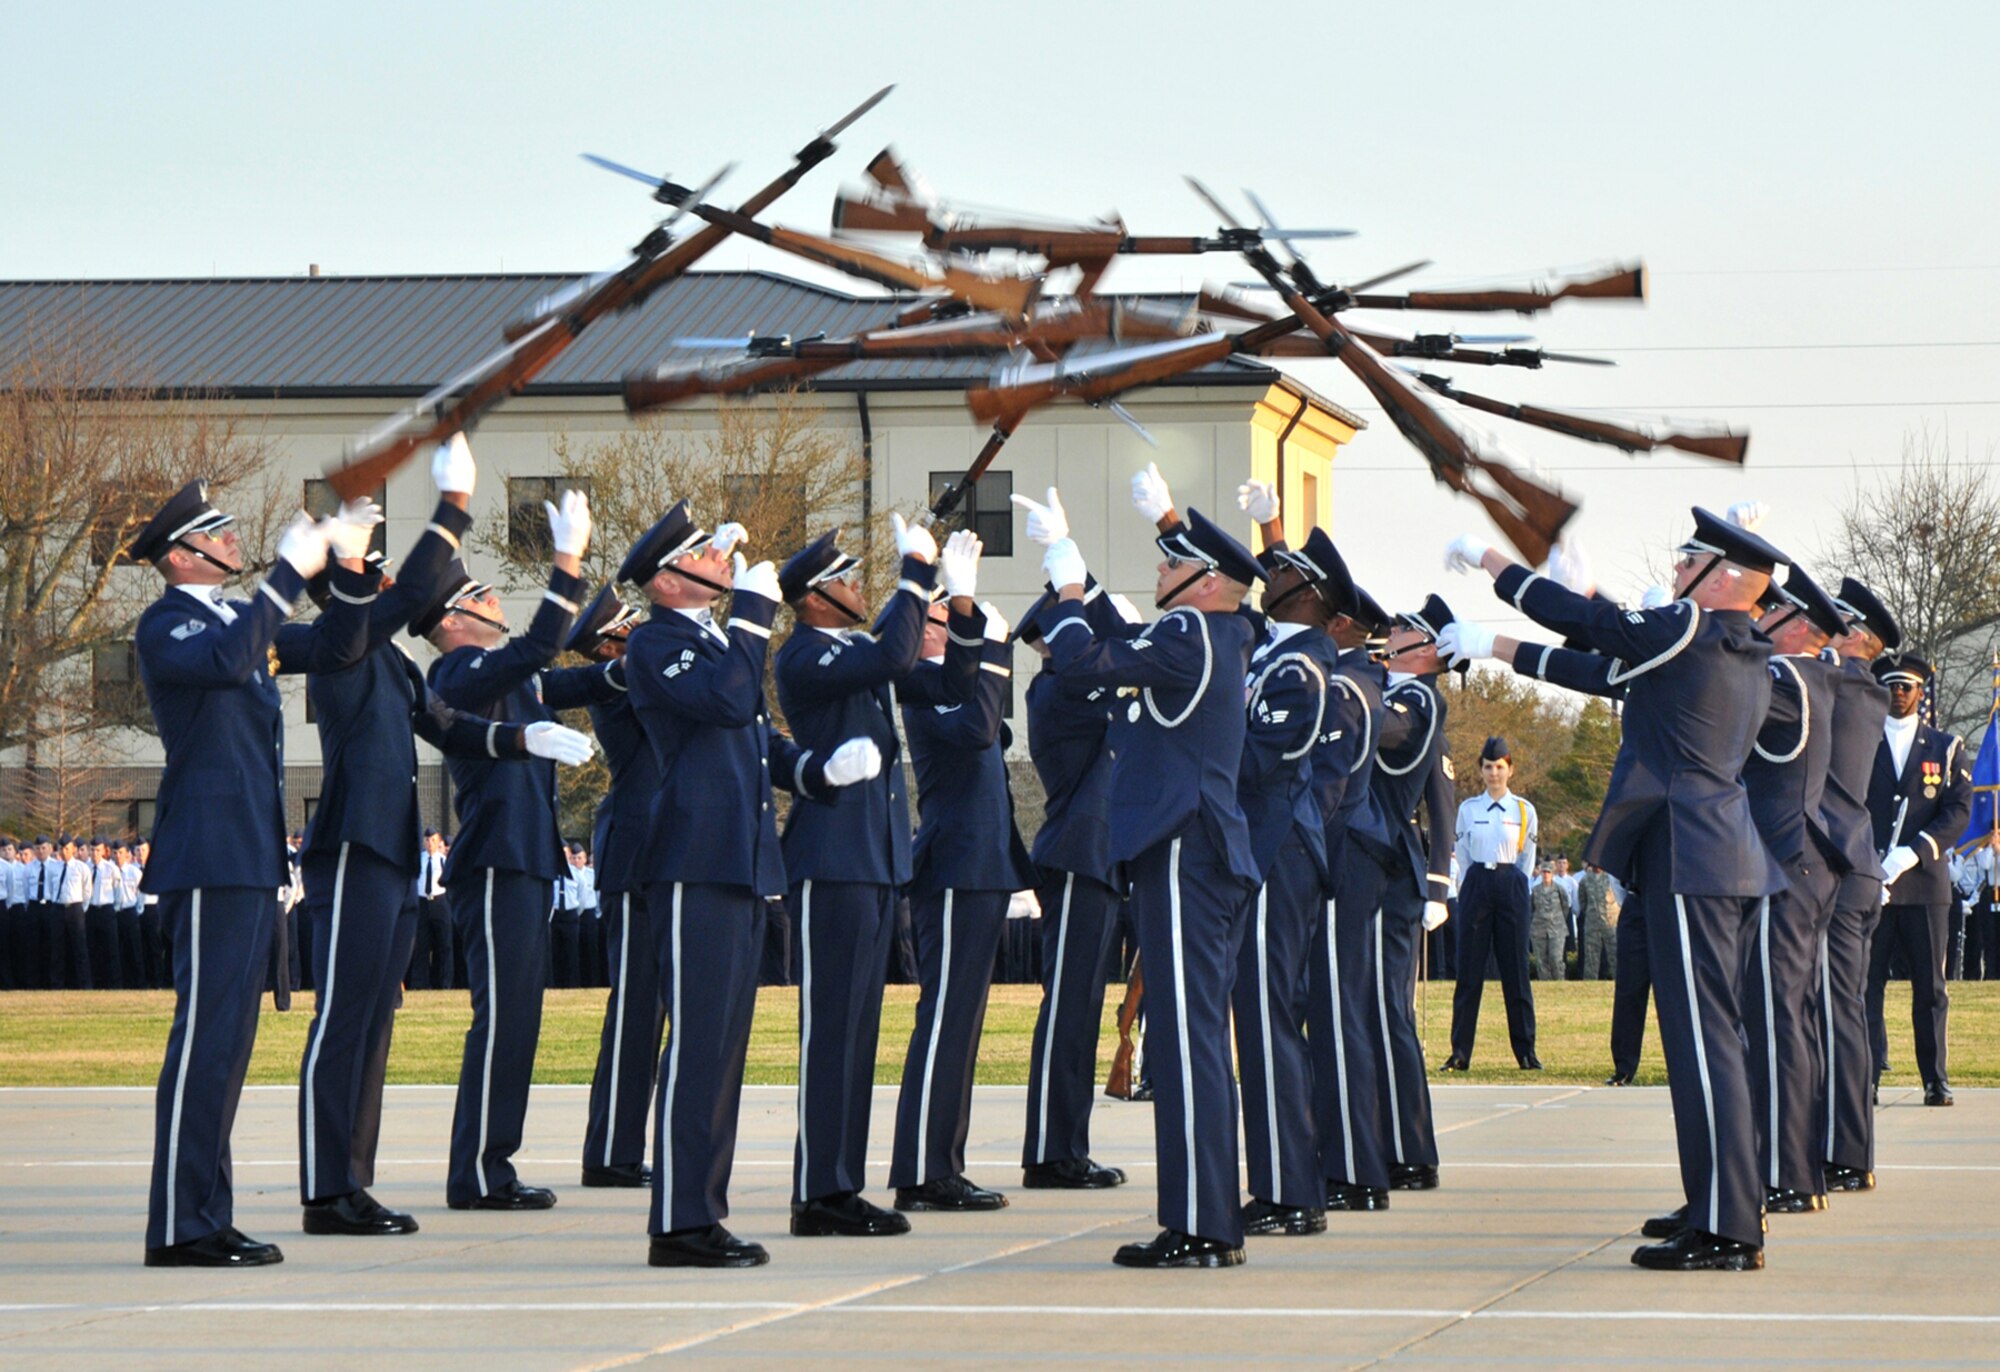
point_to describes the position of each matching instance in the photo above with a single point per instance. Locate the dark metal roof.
(362, 336)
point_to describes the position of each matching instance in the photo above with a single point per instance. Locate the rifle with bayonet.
(537, 341)
(1723, 447)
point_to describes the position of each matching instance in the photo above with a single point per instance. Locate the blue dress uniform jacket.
(507, 811)
(1786, 772)
(1681, 759)
(1068, 741)
(1924, 808)
(1409, 769)
(1166, 676)
(1859, 710)
(966, 837)
(835, 687)
(701, 703)
(624, 815)
(1359, 815)
(1288, 710)
(221, 811)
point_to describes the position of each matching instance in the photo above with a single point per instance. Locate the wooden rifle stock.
(947, 503)
(662, 386)
(1118, 1084)
(1626, 283)
(1726, 447)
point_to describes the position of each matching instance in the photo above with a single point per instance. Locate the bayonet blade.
(621, 169)
(839, 127)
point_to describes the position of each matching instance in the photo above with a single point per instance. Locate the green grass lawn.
(114, 1038)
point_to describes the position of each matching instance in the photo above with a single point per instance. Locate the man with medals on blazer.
(207, 664)
(1177, 824)
(501, 873)
(1678, 830)
(1919, 798)
(846, 855)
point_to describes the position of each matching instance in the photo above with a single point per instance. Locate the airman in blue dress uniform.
(1178, 826)
(846, 854)
(1677, 829)
(219, 846)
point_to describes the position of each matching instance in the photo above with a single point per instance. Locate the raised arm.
(188, 649)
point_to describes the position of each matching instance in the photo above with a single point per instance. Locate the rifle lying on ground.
(546, 333)
(1131, 1039)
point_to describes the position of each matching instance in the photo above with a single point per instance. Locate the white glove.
(1063, 564)
(858, 759)
(557, 741)
(452, 469)
(1436, 912)
(914, 540)
(996, 623)
(1747, 514)
(1464, 641)
(352, 528)
(1127, 611)
(761, 579)
(1465, 553)
(304, 545)
(1900, 859)
(1656, 597)
(1259, 500)
(1150, 496)
(958, 564)
(1569, 567)
(726, 536)
(569, 527)
(1046, 523)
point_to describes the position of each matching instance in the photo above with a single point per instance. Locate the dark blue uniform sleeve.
(219, 654)
(417, 577)
(975, 724)
(862, 664)
(725, 691)
(575, 688)
(965, 638)
(468, 679)
(795, 769)
(1287, 711)
(1640, 639)
(1441, 827)
(338, 636)
(1174, 652)
(1590, 673)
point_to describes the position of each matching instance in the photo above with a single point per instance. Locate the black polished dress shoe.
(1840, 1178)
(709, 1246)
(1618, 1079)
(1175, 1249)
(1875, 1095)
(1782, 1200)
(1696, 1250)
(845, 1214)
(1268, 1217)
(1666, 1226)
(1455, 1063)
(632, 1175)
(224, 1248)
(1071, 1174)
(1413, 1176)
(949, 1193)
(1529, 1062)
(357, 1212)
(512, 1196)
(1342, 1195)
(1937, 1092)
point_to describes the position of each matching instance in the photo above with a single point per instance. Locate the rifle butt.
(364, 475)
(1626, 283)
(1730, 447)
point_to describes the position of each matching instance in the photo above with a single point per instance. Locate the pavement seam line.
(742, 1326)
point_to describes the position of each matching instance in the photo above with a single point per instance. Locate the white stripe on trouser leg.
(181, 1073)
(930, 1053)
(1264, 1027)
(618, 1025)
(1055, 1003)
(805, 1021)
(1701, 1069)
(1770, 1038)
(1388, 1050)
(1180, 1016)
(1826, 1018)
(676, 1031)
(1339, 1043)
(323, 1013)
(492, 1033)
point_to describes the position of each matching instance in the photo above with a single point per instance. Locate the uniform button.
(767, 805)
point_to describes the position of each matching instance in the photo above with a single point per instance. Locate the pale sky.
(1813, 186)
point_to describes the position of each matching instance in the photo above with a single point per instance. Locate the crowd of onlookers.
(75, 918)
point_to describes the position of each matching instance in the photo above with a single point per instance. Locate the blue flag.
(1985, 791)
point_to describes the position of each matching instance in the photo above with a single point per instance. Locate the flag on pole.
(1985, 819)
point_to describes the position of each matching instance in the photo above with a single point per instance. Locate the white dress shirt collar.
(209, 595)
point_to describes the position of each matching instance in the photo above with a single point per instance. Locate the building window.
(774, 507)
(527, 521)
(321, 501)
(988, 509)
(115, 690)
